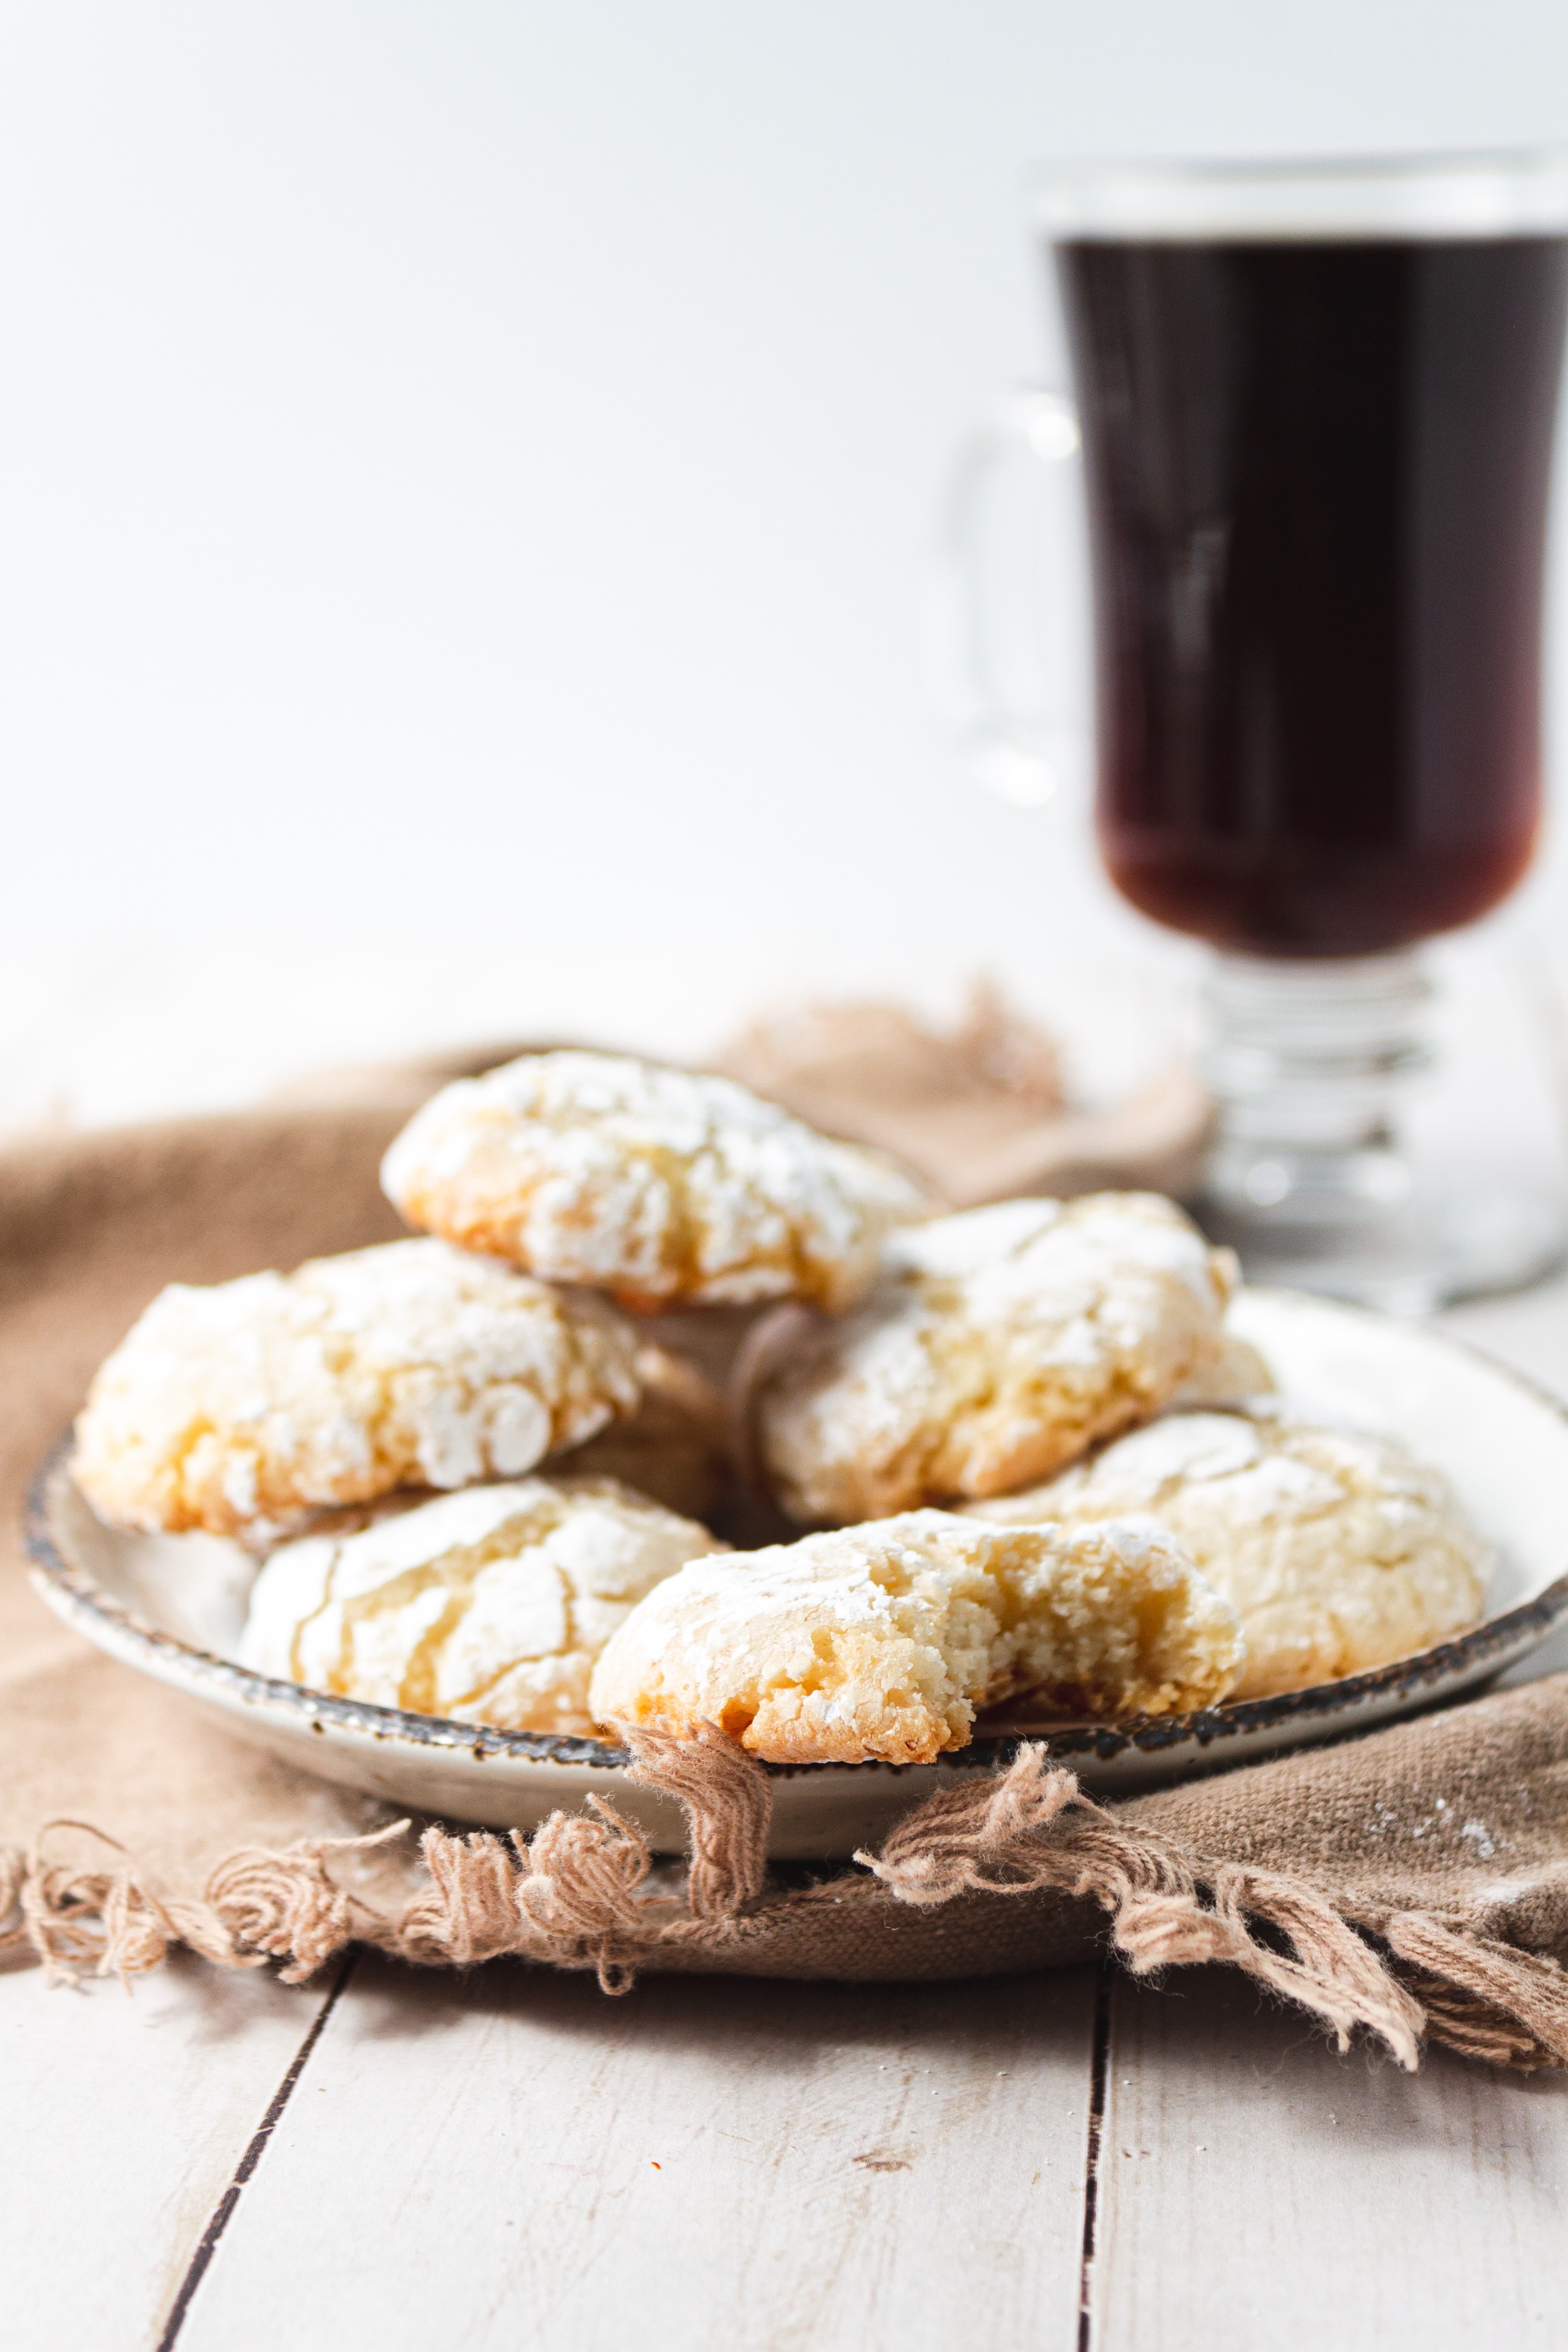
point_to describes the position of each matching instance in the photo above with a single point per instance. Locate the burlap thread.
(1410, 1884)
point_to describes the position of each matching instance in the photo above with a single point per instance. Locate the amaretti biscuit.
(1337, 1549)
(1240, 1371)
(882, 1642)
(658, 1185)
(997, 1347)
(676, 1446)
(489, 1606)
(242, 1408)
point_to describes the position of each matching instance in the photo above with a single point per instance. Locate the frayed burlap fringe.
(577, 1895)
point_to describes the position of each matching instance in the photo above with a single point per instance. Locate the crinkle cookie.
(676, 1446)
(489, 1606)
(658, 1185)
(997, 1347)
(243, 1408)
(882, 1642)
(1239, 1372)
(1337, 1550)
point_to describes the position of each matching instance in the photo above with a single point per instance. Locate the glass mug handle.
(1009, 612)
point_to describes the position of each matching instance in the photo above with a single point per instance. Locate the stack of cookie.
(485, 1487)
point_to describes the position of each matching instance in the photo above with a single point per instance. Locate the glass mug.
(1315, 406)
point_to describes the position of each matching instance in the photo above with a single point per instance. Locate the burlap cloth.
(1414, 1882)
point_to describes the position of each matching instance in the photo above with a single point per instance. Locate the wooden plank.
(516, 2160)
(126, 2116)
(1255, 2188)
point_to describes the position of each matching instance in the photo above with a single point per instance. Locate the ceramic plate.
(171, 1606)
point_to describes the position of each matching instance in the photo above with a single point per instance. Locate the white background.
(469, 472)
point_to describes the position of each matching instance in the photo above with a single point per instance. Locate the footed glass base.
(1306, 1181)
(1433, 1250)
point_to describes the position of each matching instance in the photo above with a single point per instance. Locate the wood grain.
(516, 2160)
(473, 2164)
(125, 2117)
(1255, 2188)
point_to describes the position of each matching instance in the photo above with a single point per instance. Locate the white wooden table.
(392, 2160)
(396, 2160)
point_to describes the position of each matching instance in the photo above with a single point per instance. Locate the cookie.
(882, 1642)
(675, 1448)
(1337, 1550)
(1239, 1372)
(488, 1606)
(658, 1185)
(997, 1345)
(242, 1408)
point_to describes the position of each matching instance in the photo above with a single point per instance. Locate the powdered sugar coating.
(1239, 1372)
(997, 1345)
(1338, 1549)
(243, 1407)
(488, 1606)
(656, 1185)
(880, 1641)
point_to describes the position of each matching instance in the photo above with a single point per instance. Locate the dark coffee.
(1318, 480)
